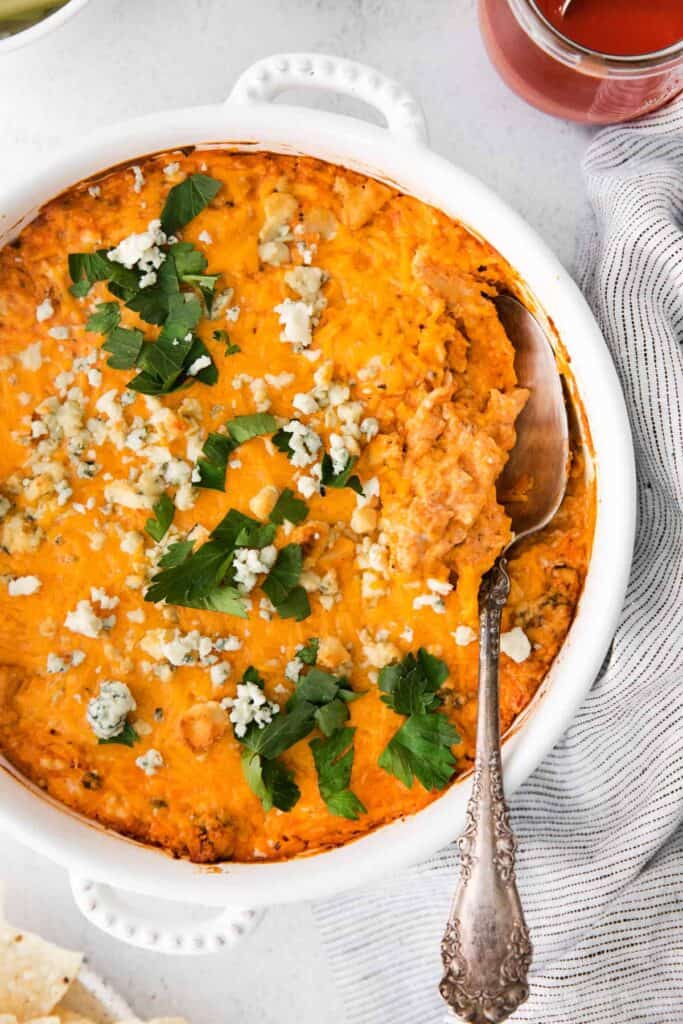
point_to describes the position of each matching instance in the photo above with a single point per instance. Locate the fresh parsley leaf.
(230, 347)
(309, 652)
(285, 573)
(329, 695)
(410, 686)
(151, 304)
(214, 464)
(184, 313)
(218, 447)
(163, 510)
(252, 675)
(332, 716)
(282, 732)
(281, 441)
(125, 346)
(176, 554)
(162, 363)
(289, 507)
(333, 759)
(316, 687)
(128, 737)
(207, 375)
(206, 283)
(236, 530)
(165, 363)
(223, 599)
(87, 267)
(281, 584)
(105, 318)
(271, 781)
(201, 578)
(186, 200)
(244, 428)
(258, 536)
(295, 606)
(198, 581)
(344, 479)
(188, 261)
(422, 749)
(345, 805)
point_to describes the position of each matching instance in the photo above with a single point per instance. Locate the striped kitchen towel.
(600, 823)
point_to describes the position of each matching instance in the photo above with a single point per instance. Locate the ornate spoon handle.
(486, 950)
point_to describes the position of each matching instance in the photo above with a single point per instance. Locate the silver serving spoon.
(486, 949)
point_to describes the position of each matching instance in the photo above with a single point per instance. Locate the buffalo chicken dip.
(254, 408)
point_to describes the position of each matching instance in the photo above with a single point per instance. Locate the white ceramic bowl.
(399, 154)
(42, 27)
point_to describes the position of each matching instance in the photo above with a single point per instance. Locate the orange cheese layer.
(407, 327)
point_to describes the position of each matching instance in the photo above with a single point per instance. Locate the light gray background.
(120, 58)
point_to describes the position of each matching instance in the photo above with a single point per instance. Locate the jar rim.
(551, 39)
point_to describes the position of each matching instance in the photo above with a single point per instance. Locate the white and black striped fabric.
(600, 823)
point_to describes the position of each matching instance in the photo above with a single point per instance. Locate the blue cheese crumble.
(250, 705)
(151, 762)
(108, 711)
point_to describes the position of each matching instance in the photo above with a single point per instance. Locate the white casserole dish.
(398, 154)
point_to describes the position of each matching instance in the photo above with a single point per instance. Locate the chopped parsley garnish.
(171, 301)
(183, 265)
(213, 465)
(421, 748)
(281, 585)
(244, 428)
(271, 781)
(289, 507)
(281, 441)
(86, 268)
(309, 652)
(252, 675)
(343, 479)
(219, 447)
(333, 759)
(410, 686)
(163, 510)
(282, 733)
(125, 346)
(310, 706)
(329, 695)
(176, 554)
(186, 200)
(230, 347)
(128, 736)
(203, 578)
(105, 318)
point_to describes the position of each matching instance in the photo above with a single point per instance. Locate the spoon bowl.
(532, 485)
(486, 950)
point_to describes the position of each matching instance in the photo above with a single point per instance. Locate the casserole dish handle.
(177, 930)
(265, 80)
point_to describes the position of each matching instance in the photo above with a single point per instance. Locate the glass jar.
(564, 78)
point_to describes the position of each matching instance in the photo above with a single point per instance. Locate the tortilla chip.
(44, 1020)
(34, 974)
(157, 1020)
(7, 1018)
(69, 1017)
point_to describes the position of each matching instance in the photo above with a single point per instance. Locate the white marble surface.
(124, 57)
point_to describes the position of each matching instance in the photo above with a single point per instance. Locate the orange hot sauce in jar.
(603, 61)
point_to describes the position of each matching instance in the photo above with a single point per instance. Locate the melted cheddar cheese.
(407, 366)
